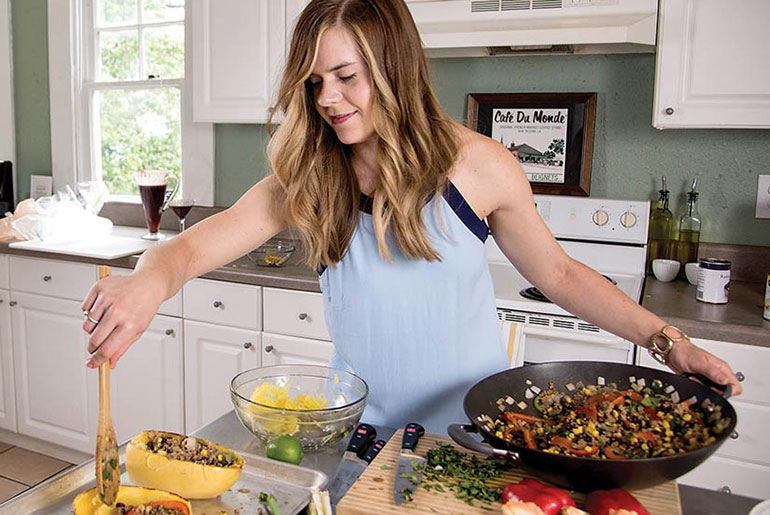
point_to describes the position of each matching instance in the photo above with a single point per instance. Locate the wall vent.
(582, 326)
(515, 5)
(487, 6)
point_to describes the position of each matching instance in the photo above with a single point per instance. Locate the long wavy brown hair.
(416, 140)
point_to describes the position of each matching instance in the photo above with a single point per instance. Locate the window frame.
(71, 51)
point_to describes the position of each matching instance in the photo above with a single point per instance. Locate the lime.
(285, 448)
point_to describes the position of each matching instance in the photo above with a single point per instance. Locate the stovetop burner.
(533, 293)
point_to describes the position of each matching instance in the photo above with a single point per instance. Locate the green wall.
(629, 155)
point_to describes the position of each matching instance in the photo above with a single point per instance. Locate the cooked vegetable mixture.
(155, 508)
(187, 448)
(607, 423)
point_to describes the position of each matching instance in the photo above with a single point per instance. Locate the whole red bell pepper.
(605, 502)
(548, 498)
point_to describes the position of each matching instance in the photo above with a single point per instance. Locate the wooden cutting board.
(373, 492)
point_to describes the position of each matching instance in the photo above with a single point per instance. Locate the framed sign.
(551, 134)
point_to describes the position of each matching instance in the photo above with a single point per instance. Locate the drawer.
(52, 278)
(171, 307)
(218, 302)
(751, 431)
(4, 280)
(741, 478)
(296, 313)
(749, 362)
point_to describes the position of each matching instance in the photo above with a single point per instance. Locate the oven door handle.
(547, 332)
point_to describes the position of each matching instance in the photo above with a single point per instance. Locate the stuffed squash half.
(191, 467)
(132, 500)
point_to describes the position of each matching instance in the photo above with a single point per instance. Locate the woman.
(389, 197)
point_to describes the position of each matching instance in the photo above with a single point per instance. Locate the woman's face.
(341, 87)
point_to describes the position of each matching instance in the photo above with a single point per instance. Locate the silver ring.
(87, 314)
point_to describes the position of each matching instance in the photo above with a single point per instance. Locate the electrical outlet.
(763, 197)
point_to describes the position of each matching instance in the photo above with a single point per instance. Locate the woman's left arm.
(526, 241)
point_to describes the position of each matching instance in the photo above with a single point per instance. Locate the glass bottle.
(661, 228)
(689, 229)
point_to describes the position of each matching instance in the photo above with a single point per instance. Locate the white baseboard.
(43, 447)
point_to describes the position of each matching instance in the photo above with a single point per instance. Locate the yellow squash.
(190, 480)
(88, 503)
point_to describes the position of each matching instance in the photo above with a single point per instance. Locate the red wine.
(152, 202)
(181, 210)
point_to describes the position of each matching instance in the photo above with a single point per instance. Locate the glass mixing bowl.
(344, 393)
(273, 253)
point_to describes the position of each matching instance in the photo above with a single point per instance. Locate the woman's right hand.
(124, 307)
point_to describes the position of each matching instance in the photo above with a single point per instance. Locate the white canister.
(713, 280)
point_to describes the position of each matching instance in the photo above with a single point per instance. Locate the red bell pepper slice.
(611, 454)
(566, 444)
(589, 411)
(601, 502)
(647, 436)
(520, 417)
(548, 498)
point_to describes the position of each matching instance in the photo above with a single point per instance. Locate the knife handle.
(362, 437)
(412, 433)
(373, 451)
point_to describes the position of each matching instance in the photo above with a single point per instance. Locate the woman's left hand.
(685, 357)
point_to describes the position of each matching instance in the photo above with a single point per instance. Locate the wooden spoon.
(107, 456)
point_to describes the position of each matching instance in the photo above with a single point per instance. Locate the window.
(130, 102)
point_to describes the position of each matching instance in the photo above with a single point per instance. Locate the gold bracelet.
(662, 342)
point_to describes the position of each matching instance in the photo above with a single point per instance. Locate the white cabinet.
(711, 68)
(63, 279)
(296, 313)
(146, 385)
(56, 395)
(279, 349)
(238, 305)
(4, 280)
(742, 464)
(213, 355)
(171, 307)
(239, 47)
(7, 390)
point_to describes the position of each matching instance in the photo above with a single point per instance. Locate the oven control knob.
(600, 217)
(628, 219)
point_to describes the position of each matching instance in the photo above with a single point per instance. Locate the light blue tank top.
(419, 333)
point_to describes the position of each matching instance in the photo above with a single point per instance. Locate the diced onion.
(570, 387)
(535, 389)
(528, 394)
(522, 405)
(600, 380)
(675, 397)
(510, 400)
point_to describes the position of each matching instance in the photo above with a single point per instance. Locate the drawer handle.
(47, 278)
(725, 490)
(218, 304)
(247, 345)
(740, 376)
(269, 348)
(302, 316)
(12, 303)
(734, 435)
(169, 332)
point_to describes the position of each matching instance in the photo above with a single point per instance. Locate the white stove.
(609, 236)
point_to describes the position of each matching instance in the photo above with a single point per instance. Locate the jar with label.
(713, 280)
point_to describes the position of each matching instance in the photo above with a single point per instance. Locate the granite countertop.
(738, 321)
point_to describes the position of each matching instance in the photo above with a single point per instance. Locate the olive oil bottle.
(660, 242)
(689, 229)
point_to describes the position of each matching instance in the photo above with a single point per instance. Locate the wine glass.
(181, 206)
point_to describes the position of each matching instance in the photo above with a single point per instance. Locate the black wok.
(582, 474)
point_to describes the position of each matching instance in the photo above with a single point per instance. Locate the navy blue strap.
(466, 213)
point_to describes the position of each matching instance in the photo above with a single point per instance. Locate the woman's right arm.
(125, 306)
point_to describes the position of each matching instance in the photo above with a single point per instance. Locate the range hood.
(489, 27)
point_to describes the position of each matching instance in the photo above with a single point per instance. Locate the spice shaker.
(713, 280)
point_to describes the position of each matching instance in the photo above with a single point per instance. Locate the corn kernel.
(645, 447)
(589, 448)
(204, 452)
(578, 430)
(687, 417)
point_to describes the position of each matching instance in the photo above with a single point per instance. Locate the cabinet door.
(56, 395)
(711, 68)
(213, 355)
(238, 48)
(7, 392)
(147, 382)
(171, 307)
(279, 349)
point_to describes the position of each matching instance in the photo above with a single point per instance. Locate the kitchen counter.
(738, 321)
(228, 431)
(294, 275)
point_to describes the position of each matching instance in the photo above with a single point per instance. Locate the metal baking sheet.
(291, 485)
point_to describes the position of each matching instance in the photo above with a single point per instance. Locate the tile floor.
(21, 469)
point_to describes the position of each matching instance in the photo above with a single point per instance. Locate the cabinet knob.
(726, 490)
(302, 316)
(218, 304)
(669, 111)
(734, 435)
(46, 278)
(740, 376)
(1, 301)
(247, 345)
(269, 348)
(12, 303)
(169, 332)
